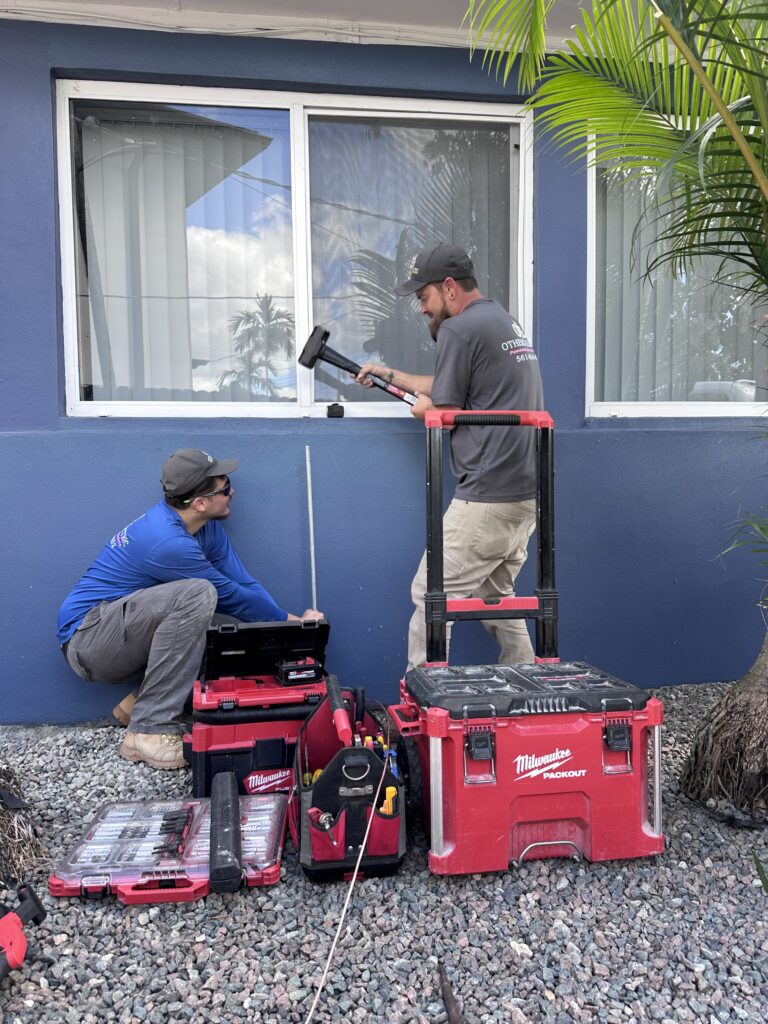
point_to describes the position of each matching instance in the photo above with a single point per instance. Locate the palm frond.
(512, 28)
(675, 93)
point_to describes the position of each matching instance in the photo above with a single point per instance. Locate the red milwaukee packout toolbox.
(551, 759)
(162, 851)
(258, 683)
(528, 761)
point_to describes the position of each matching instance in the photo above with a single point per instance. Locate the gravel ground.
(678, 938)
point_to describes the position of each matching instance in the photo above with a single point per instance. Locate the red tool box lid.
(257, 648)
(479, 691)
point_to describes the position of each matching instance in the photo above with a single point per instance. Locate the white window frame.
(638, 410)
(301, 107)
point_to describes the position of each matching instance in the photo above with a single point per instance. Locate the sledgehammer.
(317, 348)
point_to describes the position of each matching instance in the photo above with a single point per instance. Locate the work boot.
(122, 711)
(159, 749)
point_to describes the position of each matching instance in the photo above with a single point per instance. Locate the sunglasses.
(225, 490)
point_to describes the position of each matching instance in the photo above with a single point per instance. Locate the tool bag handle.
(338, 711)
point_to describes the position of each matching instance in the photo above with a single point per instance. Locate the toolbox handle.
(225, 857)
(404, 725)
(577, 855)
(338, 711)
(488, 417)
(183, 891)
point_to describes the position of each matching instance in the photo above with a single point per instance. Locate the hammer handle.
(404, 396)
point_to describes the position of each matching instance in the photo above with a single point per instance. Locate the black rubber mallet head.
(317, 348)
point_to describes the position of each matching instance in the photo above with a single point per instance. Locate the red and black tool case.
(258, 684)
(528, 761)
(161, 851)
(550, 759)
(346, 780)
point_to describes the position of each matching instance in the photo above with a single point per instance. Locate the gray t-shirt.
(484, 361)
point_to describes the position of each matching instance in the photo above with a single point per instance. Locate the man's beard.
(434, 323)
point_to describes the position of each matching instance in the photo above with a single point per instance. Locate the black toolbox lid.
(256, 648)
(482, 691)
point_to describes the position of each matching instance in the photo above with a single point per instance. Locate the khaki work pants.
(485, 545)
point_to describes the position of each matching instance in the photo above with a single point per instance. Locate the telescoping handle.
(338, 711)
(489, 418)
(543, 607)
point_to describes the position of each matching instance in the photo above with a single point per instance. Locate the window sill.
(675, 410)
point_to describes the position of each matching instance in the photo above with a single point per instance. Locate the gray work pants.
(154, 636)
(485, 545)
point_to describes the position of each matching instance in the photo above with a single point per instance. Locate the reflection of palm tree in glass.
(260, 335)
(450, 206)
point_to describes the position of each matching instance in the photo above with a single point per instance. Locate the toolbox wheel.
(410, 764)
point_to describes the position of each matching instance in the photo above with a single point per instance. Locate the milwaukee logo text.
(547, 766)
(268, 782)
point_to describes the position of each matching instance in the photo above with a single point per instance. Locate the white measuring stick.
(310, 508)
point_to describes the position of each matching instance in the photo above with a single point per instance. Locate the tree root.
(728, 762)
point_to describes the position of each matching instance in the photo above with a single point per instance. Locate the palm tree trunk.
(729, 756)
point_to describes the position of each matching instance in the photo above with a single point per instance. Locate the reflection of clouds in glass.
(271, 218)
(226, 271)
(230, 263)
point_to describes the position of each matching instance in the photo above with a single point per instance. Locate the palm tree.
(260, 335)
(672, 94)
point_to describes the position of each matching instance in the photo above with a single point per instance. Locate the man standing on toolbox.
(142, 609)
(484, 361)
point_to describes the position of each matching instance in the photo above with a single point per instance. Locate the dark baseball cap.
(185, 469)
(435, 264)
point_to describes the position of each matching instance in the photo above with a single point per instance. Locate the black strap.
(11, 801)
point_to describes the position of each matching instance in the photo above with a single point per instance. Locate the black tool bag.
(336, 786)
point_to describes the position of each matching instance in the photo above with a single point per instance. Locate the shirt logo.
(520, 348)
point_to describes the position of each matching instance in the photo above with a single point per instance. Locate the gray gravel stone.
(678, 938)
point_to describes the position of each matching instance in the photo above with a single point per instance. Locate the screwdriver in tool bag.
(390, 801)
(323, 820)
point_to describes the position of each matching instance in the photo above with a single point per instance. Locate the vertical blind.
(380, 190)
(666, 339)
(166, 254)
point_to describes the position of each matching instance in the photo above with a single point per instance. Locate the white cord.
(344, 909)
(310, 507)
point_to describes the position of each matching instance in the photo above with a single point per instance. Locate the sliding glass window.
(201, 241)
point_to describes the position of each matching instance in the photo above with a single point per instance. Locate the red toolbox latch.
(617, 744)
(480, 748)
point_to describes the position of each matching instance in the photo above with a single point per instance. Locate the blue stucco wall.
(643, 508)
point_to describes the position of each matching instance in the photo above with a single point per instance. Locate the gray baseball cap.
(185, 469)
(435, 264)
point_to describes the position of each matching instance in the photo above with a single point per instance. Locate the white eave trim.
(181, 19)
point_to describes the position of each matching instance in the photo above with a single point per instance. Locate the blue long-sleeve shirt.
(157, 548)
